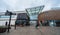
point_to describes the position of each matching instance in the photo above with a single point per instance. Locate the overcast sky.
(18, 5)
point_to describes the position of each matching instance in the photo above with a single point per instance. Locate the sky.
(19, 5)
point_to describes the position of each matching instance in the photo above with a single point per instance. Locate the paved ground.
(31, 30)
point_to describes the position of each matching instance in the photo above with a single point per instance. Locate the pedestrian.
(37, 25)
(6, 23)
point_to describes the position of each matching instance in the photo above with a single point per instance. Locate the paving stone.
(31, 30)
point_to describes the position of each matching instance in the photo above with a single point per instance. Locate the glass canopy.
(33, 12)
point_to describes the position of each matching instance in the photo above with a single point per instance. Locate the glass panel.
(33, 12)
(6, 16)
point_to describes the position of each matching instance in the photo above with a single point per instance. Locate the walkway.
(31, 30)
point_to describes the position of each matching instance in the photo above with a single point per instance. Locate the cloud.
(11, 3)
(23, 4)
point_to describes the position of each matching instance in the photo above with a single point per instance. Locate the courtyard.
(31, 30)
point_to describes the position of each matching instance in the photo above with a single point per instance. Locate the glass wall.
(33, 12)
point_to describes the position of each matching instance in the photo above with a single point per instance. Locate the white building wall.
(13, 19)
(3, 20)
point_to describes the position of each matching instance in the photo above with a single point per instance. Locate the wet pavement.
(31, 30)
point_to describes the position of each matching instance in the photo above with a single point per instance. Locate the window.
(33, 12)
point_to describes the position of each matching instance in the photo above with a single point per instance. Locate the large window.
(33, 12)
(6, 16)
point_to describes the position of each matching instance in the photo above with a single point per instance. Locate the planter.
(3, 29)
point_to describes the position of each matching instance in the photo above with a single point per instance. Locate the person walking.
(38, 24)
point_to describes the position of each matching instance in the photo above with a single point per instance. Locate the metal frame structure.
(34, 11)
